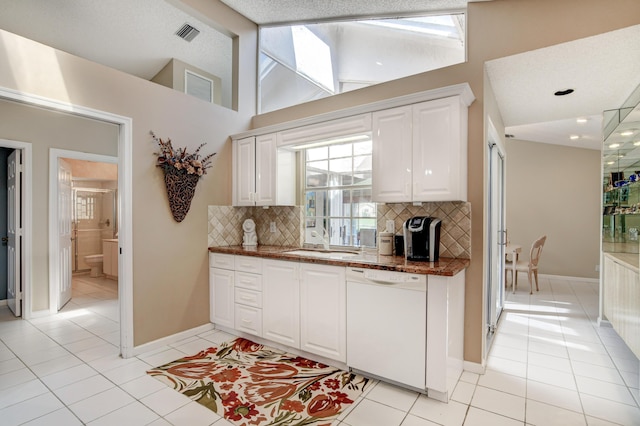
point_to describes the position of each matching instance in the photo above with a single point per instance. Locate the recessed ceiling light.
(582, 120)
(636, 143)
(626, 133)
(574, 137)
(564, 92)
(610, 163)
(614, 145)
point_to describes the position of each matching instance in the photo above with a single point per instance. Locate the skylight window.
(301, 63)
(313, 57)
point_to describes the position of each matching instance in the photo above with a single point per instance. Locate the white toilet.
(95, 263)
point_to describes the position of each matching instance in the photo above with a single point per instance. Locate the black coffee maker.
(422, 238)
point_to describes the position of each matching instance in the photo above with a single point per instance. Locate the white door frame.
(26, 221)
(125, 199)
(54, 240)
(492, 138)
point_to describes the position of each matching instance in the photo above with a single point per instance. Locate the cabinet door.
(244, 172)
(221, 297)
(323, 311)
(265, 170)
(281, 302)
(392, 155)
(438, 154)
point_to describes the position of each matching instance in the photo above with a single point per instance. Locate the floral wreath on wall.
(181, 174)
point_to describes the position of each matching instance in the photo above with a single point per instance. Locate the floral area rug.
(251, 384)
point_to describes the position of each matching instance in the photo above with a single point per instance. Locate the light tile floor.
(549, 365)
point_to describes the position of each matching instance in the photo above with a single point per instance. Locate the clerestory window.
(300, 63)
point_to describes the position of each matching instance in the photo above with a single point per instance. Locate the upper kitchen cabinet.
(420, 152)
(262, 175)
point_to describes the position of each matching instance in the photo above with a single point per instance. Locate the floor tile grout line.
(584, 413)
(608, 354)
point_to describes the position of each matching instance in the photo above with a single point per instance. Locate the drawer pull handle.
(245, 298)
(244, 321)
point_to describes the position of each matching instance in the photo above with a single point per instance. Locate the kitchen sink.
(324, 254)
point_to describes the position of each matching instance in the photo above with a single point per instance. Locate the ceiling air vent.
(187, 32)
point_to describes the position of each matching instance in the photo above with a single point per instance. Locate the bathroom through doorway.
(86, 226)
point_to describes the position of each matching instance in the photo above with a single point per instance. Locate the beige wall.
(494, 29)
(170, 274)
(44, 130)
(555, 191)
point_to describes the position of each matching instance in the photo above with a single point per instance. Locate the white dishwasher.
(387, 325)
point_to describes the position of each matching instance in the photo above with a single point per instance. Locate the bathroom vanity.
(110, 258)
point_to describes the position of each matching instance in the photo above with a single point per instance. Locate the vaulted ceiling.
(138, 37)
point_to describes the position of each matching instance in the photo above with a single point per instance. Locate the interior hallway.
(550, 365)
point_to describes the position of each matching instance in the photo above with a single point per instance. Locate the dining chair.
(529, 266)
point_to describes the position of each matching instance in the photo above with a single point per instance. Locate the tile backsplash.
(225, 224)
(455, 233)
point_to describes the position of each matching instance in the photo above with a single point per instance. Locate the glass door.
(496, 240)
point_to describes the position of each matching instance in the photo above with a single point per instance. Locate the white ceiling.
(279, 11)
(603, 71)
(137, 37)
(134, 36)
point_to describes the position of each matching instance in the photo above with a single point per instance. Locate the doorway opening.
(87, 228)
(496, 235)
(85, 218)
(14, 226)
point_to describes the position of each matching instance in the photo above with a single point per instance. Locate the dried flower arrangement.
(168, 157)
(181, 174)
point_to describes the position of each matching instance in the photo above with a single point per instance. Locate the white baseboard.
(568, 278)
(41, 313)
(474, 367)
(3, 302)
(604, 323)
(156, 344)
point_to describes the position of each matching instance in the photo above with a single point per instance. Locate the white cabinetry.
(621, 298)
(445, 334)
(323, 310)
(221, 289)
(248, 294)
(110, 258)
(262, 175)
(420, 152)
(281, 302)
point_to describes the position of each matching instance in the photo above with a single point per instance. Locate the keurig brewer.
(422, 238)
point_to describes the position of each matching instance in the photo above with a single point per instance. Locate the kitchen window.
(337, 194)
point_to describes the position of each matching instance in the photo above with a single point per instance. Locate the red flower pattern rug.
(251, 384)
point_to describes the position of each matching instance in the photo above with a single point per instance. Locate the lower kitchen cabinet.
(281, 302)
(221, 295)
(323, 311)
(304, 306)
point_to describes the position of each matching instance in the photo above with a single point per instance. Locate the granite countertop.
(366, 259)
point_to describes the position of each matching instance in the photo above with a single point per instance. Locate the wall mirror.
(621, 178)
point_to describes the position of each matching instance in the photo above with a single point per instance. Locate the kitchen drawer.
(249, 264)
(249, 281)
(248, 297)
(222, 261)
(248, 319)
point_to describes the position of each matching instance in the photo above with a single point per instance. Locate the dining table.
(512, 251)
